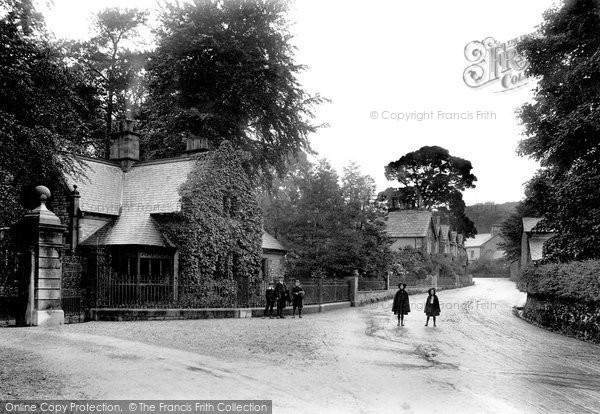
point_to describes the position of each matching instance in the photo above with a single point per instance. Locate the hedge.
(574, 281)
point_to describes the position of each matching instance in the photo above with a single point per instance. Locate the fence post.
(176, 276)
(320, 289)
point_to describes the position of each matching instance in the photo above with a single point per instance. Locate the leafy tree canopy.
(44, 106)
(562, 124)
(226, 70)
(329, 227)
(562, 128)
(431, 178)
(112, 64)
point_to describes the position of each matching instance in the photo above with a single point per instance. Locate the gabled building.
(414, 228)
(118, 206)
(485, 245)
(532, 242)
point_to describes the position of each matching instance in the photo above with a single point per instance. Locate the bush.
(412, 263)
(576, 281)
(486, 266)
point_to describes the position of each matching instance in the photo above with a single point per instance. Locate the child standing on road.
(297, 297)
(282, 296)
(432, 306)
(401, 304)
(270, 297)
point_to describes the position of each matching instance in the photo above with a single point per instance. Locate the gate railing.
(372, 285)
(121, 291)
(9, 289)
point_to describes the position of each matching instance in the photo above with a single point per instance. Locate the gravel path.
(480, 358)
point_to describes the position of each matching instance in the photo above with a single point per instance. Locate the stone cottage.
(414, 228)
(121, 205)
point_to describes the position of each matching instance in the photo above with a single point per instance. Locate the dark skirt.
(432, 309)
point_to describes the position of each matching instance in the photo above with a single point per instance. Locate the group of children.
(279, 295)
(401, 305)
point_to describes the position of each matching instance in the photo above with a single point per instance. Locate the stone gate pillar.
(41, 240)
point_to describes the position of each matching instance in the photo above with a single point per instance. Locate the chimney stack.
(125, 145)
(496, 229)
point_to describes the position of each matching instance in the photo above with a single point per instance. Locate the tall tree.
(359, 194)
(226, 70)
(114, 65)
(43, 108)
(431, 178)
(562, 127)
(327, 227)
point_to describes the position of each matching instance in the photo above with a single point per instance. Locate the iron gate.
(10, 299)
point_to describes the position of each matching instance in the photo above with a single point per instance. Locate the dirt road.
(480, 358)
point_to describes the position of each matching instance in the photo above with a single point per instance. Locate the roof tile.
(270, 242)
(408, 223)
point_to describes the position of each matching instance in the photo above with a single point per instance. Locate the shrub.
(577, 281)
(486, 266)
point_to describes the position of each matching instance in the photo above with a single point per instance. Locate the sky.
(385, 64)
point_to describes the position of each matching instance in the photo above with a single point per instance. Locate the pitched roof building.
(116, 204)
(532, 242)
(414, 228)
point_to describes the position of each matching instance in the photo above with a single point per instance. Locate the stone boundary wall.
(578, 319)
(119, 314)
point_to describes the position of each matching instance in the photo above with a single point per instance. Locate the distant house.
(532, 241)
(485, 245)
(414, 228)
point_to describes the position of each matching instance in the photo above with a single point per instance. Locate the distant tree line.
(224, 70)
(332, 225)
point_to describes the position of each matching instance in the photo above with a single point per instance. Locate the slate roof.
(154, 187)
(530, 222)
(132, 197)
(408, 223)
(99, 186)
(478, 240)
(271, 243)
(151, 187)
(131, 228)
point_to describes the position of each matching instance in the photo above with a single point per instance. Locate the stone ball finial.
(43, 193)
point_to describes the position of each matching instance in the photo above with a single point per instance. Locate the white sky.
(396, 56)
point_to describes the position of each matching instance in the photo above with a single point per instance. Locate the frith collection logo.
(495, 63)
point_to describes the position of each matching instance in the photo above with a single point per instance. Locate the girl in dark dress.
(432, 306)
(297, 297)
(401, 305)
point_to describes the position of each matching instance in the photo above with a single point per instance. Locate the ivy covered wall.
(218, 232)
